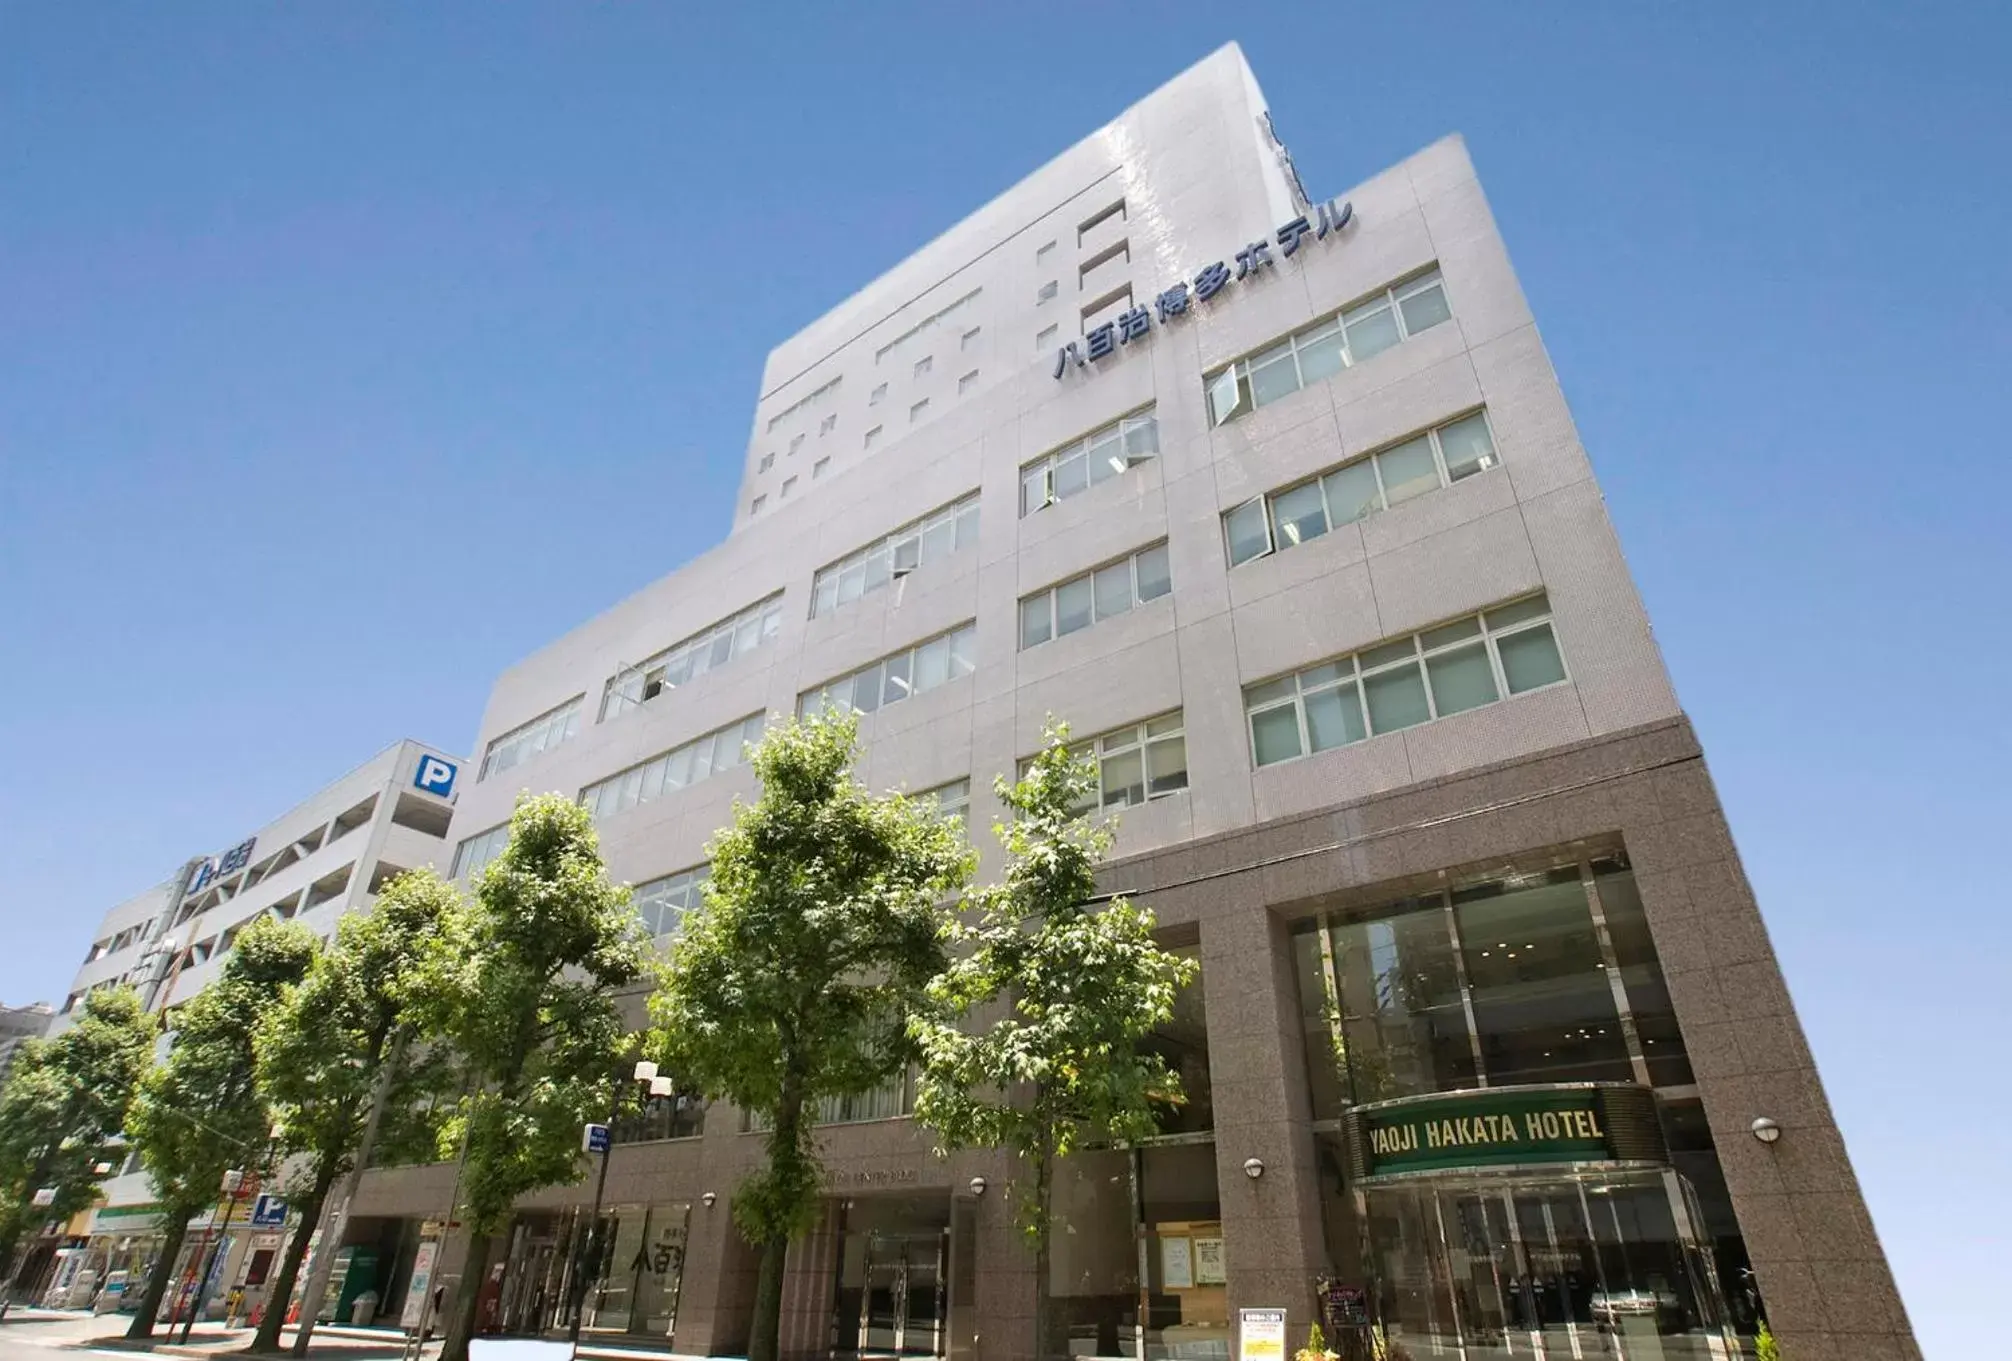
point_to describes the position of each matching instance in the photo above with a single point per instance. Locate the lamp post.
(233, 1182)
(586, 1264)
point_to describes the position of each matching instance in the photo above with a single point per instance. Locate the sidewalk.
(74, 1330)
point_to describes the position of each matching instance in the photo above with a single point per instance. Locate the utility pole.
(233, 1183)
(322, 1268)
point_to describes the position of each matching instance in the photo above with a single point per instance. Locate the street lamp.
(602, 1137)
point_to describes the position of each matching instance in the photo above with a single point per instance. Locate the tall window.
(687, 660)
(478, 850)
(663, 903)
(916, 544)
(1446, 670)
(893, 679)
(708, 755)
(521, 743)
(1328, 346)
(1137, 762)
(1306, 510)
(1110, 590)
(952, 800)
(1097, 457)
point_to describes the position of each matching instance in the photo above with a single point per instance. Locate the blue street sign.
(268, 1212)
(594, 1139)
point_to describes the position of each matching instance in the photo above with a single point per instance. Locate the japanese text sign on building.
(1135, 324)
(230, 862)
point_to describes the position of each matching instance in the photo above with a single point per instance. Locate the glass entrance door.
(901, 1295)
(1590, 1269)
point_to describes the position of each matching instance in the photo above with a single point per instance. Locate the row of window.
(930, 539)
(715, 645)
(1110, 590)
(521, 743)
(663, 903)
(721, 749)
(1327, 347)
(1137, 762)
(893, 679)
(1306, 510)
(1096, 458)
(1446, 670)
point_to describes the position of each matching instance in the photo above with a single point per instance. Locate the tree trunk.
(765, 1337)
(1044, 1195)
(162, 1274)
(279, 1294)
(467, 1298)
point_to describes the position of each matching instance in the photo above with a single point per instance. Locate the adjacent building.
(327, 856)
(18, 1024)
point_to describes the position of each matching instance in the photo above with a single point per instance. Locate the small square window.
(1046, 338)
(828, 424)
(915, 412)
(795, 443)
(788, 485)
(767, 462)
(874, 398)
(967, 382)
(924, 364)
(1041, 255)
(1048, 291)
(871, 436)
(817, 468)
(756, 506)
(969, 338)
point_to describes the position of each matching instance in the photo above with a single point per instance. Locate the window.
(1458, 666)
(1306, 510)
(663, 903)
(788, 484)
(1097, 457)
(1047, 292)
(815, 397)
(825, 426)
(1042, 256)
(817, 468)
(871, 436)
(932, 319)
(1081, 601)
(521, 743)
(893, 679)
(924, 364)
(952, 800)
(478, 850)
(1327, 347)
(1143, 761)
(1121, 252)
(915, 412)
(1046, 340)
(916, 544)
(756, 506)
(967, 382)
(968, 339)
(1098, 219)
(875, 397)
(687, 660)
(767, 462)
(795, 442)
(708, 755)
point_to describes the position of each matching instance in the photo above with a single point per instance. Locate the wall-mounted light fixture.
(1765, 1129)
(1253, 1168)
(707, 1199)
(978, 1185)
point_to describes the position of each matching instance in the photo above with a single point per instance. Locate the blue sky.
(350, 352)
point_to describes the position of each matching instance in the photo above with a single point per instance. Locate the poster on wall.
(1209, 1262)
(1261, 1334)
(1177, 1271)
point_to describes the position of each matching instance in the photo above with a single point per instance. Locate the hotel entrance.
(892, 1296)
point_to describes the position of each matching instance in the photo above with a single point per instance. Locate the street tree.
(64, 1104)
(1033, 1040)
(335, 1058)
(822, 924)
(200, 1113)
(529, 1008)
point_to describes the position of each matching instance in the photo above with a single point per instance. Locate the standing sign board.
(1261, 1334)
(422, 1281)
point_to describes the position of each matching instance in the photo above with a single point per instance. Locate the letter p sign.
(435, 776)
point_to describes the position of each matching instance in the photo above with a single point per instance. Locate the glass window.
(1072, 606)
(1112, 587)
(1155, 576)
(1248, 532)
(1467, 446)
(523, 742)
(1424, 304)
(893, 679)
(1408, 470)
(1275, 735)
(1334, 718)
(1097, 457)
(1371, 330)
(1352, 492)
(1461, 679)
(1108, 591)
(1396, 698)
(1273, 376)
(1530, 659)
(716, 750)
(932, 538)
(1036, 623)
(1145, 761)
(1298, 515)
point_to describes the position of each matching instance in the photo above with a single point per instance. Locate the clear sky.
(350, 352)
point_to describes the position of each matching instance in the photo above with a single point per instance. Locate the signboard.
(594, 1139)
(1209, 1262)
(1176, 302)
(268, 1212)
(44, 1196)
(435, 776)
(1345, 1306)
(1261, 1334)
(1177, 1264)
(230, 862)
(1505, 1127)
(422, 1281)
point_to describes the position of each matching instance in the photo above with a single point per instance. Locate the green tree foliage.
(1032, 1042)
(200, 1113)
(822, 925)
(64, 1101)
(529, 1007)
(342, 1031)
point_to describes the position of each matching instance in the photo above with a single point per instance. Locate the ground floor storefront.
(1471, 1071)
